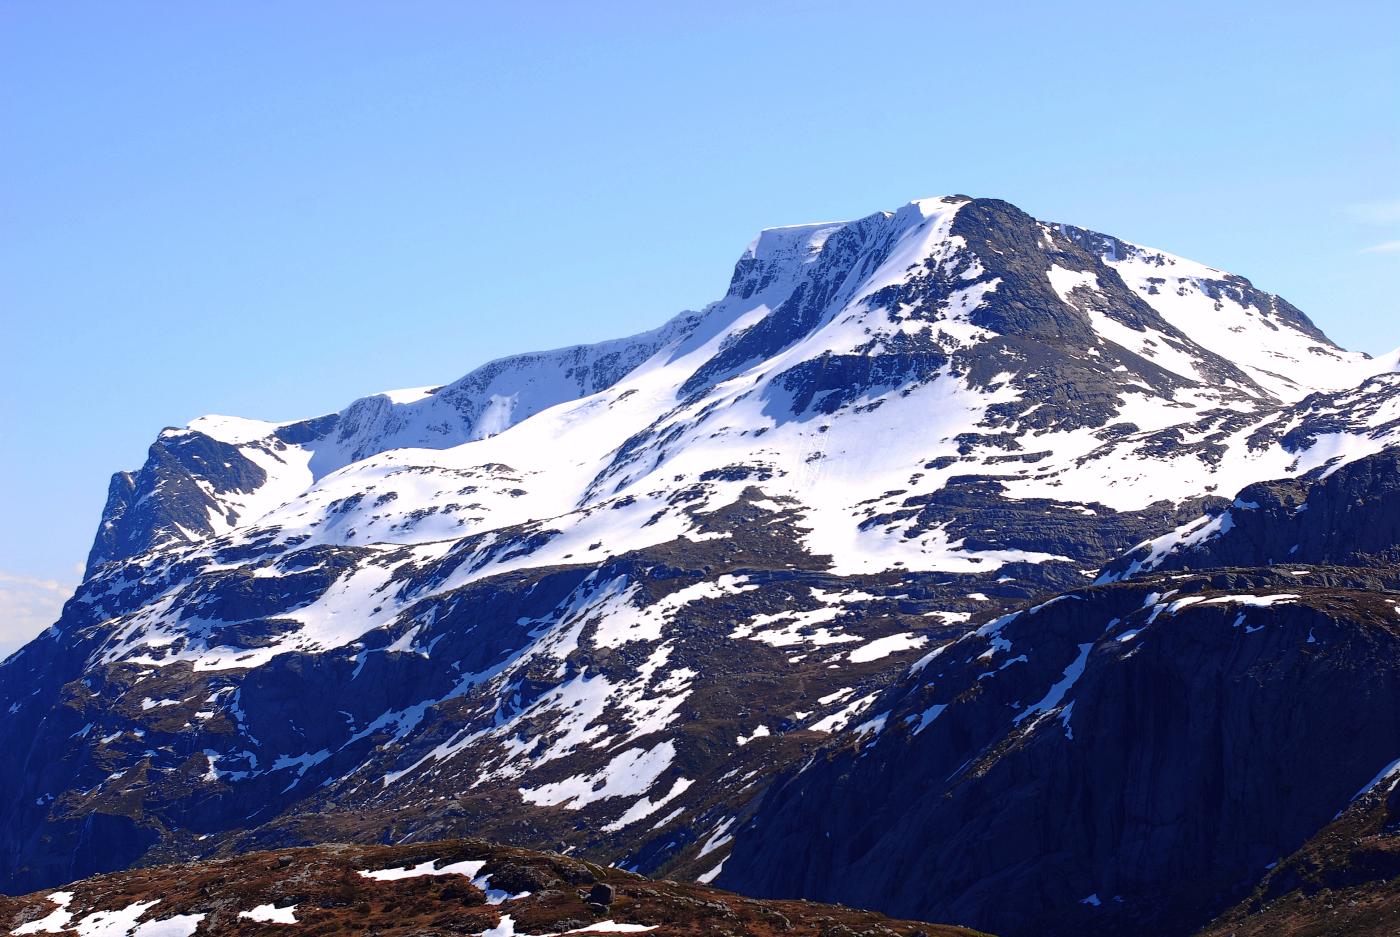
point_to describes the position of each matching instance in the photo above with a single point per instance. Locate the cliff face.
(1128, 758)
(1137, 755)
(1347, 517)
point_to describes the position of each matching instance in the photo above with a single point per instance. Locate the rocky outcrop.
(1346, 517)
(165, 501)
(445, 888)
(1122, 759)
(1136, 757)
(1344, 880)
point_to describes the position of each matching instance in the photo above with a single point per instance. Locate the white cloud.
(1386, 247)
(28, 605)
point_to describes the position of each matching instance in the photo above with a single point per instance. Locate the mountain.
(1344, 880)
(1348, 515)
(1214, 722)
(461, 887)
(221, 472)
(634, 598)
(1125, 758)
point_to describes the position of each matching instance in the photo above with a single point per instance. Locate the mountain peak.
(803, 240)
(1037, 328)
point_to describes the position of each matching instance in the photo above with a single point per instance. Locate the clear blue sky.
(268, 209)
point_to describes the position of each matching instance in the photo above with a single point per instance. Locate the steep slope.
(600, 596)
(461, 887)
(1344, 880)
(973, 292)
(1128, 759)
(1345, 513)
(1131, 757)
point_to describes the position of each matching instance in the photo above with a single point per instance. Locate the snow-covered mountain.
(600, 596)
(975, 329)
(223, 472)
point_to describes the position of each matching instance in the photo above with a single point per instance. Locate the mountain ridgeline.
(954, 564)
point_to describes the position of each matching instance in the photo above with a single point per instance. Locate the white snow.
(759, 732)
(234, 430)
(55, 921)
(408, 394)
(884, 647)
(706, 878)
(645, 807)
(121, 922)
(506, 928)
(1284, 360)
(802, 241)
(613, 927)
(181, 925)
(630, 773)
(1390, 773)
(497, 895)
(719, 836)
(1056, 693)
(469, 868)
(1188, 535)
(1253, 601)
(841, 718)
(928, 716)
(271, 914)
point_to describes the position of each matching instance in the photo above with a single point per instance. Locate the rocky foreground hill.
(445, 888)
(954, 564)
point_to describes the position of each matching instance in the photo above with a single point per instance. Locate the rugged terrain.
(1135, 755)
(1344, 880)
(460, 887)
(1047, 538)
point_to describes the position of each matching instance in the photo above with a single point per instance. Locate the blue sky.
(269, 209)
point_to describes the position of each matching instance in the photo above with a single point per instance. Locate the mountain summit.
(969, 312)
(604, 596)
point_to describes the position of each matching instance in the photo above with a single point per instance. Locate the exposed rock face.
(1344, 880)
(136, 519)
(604, 596)
(445, 888)
(1156, 745)
(1351, 517)
(1124, 759)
